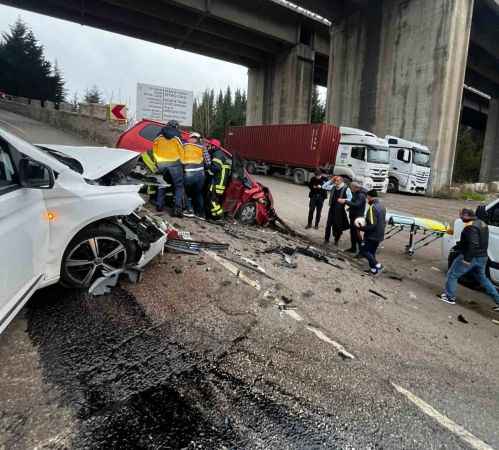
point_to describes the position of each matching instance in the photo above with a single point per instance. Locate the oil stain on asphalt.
(131, 384)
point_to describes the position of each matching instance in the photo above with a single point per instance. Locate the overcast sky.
(116, 63)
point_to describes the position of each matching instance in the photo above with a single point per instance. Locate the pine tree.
(93, 95)
(59, 91)
(25, 71)
(318, 107)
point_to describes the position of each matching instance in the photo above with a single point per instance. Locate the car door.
(24, 234)
(493, 222)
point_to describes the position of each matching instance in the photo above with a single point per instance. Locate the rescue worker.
(374, 231)
(219, 178)
(167, 151)
(472, 258)
(337, 219)
(357, 208)
(194, 162)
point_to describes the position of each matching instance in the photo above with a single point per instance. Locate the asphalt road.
(319, 356)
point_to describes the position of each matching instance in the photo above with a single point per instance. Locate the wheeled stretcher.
(422, 232)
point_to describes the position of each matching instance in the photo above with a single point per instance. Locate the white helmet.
(360, 222)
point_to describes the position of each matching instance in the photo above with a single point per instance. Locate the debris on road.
(462, 319)
(194, 247)
(248, 264)
(495, 321)
(289, 253)
(377, 294)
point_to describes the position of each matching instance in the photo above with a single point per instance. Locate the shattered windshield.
(378, 155)
(72, 163)
(421, 158)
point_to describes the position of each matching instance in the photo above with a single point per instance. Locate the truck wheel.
(91, 253)
(393, 186)
(250, 167)
(247, 213)
(299, 176)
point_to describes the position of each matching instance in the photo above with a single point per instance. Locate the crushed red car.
(244, 198)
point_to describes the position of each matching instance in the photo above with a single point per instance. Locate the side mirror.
(35, 175)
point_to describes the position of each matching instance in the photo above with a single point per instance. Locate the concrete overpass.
(286, 51)
(391, 66)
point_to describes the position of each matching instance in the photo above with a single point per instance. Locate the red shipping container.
(308, 146)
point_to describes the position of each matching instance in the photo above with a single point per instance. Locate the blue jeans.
(175, 173)
(194, 188)
(477, 268)
(368, 250)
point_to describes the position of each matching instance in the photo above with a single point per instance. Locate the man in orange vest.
(194, 162)
(167, 151)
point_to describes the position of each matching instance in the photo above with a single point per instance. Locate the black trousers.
(315, 205)
(368, 250)
(330, 226)
(354, 235)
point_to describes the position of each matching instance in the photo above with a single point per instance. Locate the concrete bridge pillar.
(398, 68)
(281, 91)
(489, 170)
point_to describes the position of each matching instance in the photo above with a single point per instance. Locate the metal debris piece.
(103, 285)
(462, 319)
(194, 247)
(288, 253)
(248, 264)
(372, 291)
(495, 321)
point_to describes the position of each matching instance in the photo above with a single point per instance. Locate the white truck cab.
(363, 157)
(410, 166)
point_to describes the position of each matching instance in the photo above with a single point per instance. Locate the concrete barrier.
(89, 122)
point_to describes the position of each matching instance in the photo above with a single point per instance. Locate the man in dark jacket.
(472, 257)
(317, 196)
(374, 231)
(357, 209)
(337, 220)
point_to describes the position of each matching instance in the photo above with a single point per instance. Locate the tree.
(25, 71)
(468, 155)
(58, 84)
(318, 107)
(93, 95)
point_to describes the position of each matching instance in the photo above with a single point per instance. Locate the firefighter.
(167, 151)
(219, 178)
(194, 162)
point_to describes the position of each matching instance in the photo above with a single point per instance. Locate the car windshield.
(378, 154)
(421, 158)
(72, 163)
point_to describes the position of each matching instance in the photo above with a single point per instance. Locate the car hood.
(96, 161)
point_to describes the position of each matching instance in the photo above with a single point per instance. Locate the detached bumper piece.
(146, 239)
(194, 247)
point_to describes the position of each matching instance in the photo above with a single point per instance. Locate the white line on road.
(14, 127)
(444, 420)
(342, 350)
(294, 315)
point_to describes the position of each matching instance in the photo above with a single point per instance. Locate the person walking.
(357, 208)
(472, 258)
(337, 220)
(374, 231)
(167, 151)
(317, 195)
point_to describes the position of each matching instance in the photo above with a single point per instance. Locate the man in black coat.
(357, 208)
(317, 196)
(472, 258)
(337, 220)
(374, 231)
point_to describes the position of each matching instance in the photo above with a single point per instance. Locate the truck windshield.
(378, 155)
(421, 158)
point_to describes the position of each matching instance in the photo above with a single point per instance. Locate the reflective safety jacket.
(220, 170)
(192, 158)
(150, 161)
(167, 150)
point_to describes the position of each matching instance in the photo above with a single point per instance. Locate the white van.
(410, 166)
(67, 214)
(363, 157)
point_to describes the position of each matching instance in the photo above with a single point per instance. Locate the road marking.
(342, 350)
(14, 127)
(294, 315)
(444, 420)
(234, 270)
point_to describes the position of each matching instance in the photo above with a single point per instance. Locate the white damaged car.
(68, 214)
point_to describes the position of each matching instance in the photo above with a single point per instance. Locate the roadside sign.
(164, 104)
(117, 112)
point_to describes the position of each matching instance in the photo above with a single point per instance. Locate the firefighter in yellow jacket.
(195, 159)
(219, 178)
(167, 152)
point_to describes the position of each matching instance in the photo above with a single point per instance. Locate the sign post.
(163, 104)
(117, 112)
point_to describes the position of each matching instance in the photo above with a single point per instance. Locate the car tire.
(247, 213)
(93, 252)
(393, 186)
(299, 176)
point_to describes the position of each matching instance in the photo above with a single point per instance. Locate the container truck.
(295, 151)
(410, 166)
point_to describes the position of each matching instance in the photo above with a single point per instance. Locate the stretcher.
(422, 232)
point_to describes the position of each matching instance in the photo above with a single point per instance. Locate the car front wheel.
(247, 214)
(93, 252)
